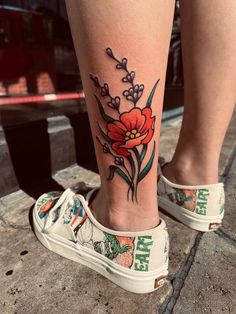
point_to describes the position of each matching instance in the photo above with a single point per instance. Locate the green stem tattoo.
(127, 135)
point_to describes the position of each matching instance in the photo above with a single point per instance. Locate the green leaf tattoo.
(105, 136)
(148, 166)
(105, 116)
(126, 135)
(149, 101)
(115, 169)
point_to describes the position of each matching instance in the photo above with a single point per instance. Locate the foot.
(136, 261)
(200, 207)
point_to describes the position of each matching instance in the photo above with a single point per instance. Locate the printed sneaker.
(200, 207)
(136, 261)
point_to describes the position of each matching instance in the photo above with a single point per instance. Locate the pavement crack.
(225, 236)
(179, 278)
(5, 223)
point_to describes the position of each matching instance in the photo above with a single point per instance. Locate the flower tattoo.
(126, 134)
(133, 128)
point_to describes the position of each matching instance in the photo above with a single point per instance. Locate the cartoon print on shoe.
(185, 198)
(70, 229)
(46, 202)
(200, 207)
(118, 248)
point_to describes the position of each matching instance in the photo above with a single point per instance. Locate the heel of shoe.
(190, 219)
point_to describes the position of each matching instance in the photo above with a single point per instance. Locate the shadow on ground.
(35, 156)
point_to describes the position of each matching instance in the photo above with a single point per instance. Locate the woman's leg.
(126, 127)
(208, 31)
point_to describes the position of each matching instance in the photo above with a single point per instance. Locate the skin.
(144, 40)
(209, 55)
(140, 31)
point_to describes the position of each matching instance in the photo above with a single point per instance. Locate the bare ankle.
(131, 217)
(188, 172)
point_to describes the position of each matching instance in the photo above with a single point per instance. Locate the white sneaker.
(200, 207)
(136, 261)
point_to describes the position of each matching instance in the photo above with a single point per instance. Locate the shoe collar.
(69, 196)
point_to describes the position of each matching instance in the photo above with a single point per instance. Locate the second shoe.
(200, 207)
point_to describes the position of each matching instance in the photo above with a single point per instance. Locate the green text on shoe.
(136, 261)
(200, 207)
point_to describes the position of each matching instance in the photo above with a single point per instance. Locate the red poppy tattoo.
(128, 134)
(133, 128)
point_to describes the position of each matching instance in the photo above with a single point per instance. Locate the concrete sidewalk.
(202, 272)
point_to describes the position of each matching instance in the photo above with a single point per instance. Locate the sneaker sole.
(190, 219)
(127, 279)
